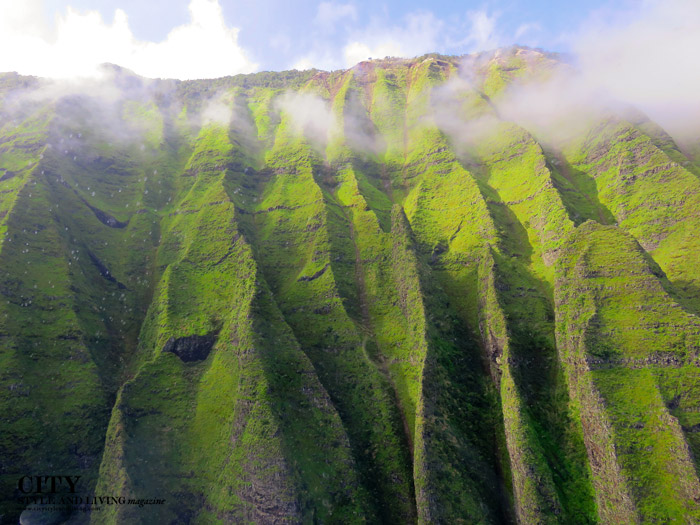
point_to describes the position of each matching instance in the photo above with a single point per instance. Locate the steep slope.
(363, 296)
(629, 352)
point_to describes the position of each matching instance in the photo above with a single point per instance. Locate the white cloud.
(645, 59)
(482, 31)
(310, 62)
(310, 115)
(556, 109)
(218, 109)
(26, 15)
(478, 31)
(322, 57)
(524, 29)
(281, 43)
(419, 34)
(649, 57)
(330, 13)
(80, 41)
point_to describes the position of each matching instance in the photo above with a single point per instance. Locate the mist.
(650, 58)
(310, 115)
(643, 61)
(313, 117)
(646, 60)
(94, 103)
(217, 109)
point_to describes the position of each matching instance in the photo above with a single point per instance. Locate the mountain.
(361, 296)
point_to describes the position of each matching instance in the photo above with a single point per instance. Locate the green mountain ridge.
(360, 296)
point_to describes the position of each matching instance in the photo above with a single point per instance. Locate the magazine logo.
(58, 494)
(47, 484)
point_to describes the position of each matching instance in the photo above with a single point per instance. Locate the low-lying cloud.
(218, 110)
(647, 60)
(648, 57)
(417, 32)
(310, 115)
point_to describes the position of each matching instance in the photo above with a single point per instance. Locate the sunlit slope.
(629, 352)
(365, 296)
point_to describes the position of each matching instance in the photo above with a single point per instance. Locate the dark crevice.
(104, 217)
(316, 275)
(230, 250)
(7, 175)
(104, 271)
(192, 347)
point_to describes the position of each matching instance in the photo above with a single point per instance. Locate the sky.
(212, 38)
(639, 53)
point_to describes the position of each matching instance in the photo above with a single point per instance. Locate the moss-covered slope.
(363, 296)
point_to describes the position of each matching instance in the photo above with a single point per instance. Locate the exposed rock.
(191, 348)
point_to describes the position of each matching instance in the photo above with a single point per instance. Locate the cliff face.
(358, 296)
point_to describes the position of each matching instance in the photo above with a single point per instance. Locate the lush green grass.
(421, 313)
(626, 346)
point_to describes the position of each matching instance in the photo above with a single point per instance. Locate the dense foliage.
(399, 316)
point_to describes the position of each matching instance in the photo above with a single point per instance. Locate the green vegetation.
(351, 297)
